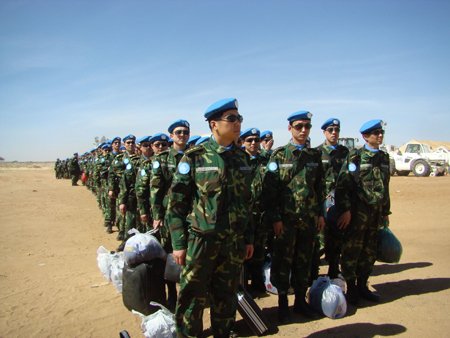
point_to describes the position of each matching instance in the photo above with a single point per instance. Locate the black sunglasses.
(129, 142)
(160, 144)
(252, 139)
(231, 118)
(145, 145)
(182, 131)
(299, 126)
(331, 129)
(377, 132)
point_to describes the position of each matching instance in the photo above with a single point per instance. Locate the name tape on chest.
(207, 169)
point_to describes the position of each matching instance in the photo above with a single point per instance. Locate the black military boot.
(119, 236)
(121, 246)
(109, 230)
(364, 291)
(172, 296)
(302, 307)
(352, 293)
(106, 224)
(333, 269)
(283, 309)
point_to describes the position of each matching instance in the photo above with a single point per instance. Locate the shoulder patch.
(156, 165)
(273, 166)
(128, 166)
(352, 167)
(126, 161)
(143, 173)
(184, 168)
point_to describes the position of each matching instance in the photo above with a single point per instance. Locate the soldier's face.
(130, 145)
(146, 149)
(180, 136)
(266, 140)
(159, 146)
(226, 129)
(332, 135)
(116, 146)
(252, 144)
(301, 134)
(374, 140)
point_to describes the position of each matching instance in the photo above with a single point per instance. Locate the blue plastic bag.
(389, 249)
(326, 297)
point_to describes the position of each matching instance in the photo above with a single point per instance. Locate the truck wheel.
(403, 173)
(391, 167)
(421, 168)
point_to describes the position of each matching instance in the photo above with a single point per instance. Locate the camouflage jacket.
(372, 186)
(127, 183)
(258, 165)
(211, 194)
(142, 186)
(116, 170)
(163, 167)
(294, 184)
(73, 165)
(331, 174)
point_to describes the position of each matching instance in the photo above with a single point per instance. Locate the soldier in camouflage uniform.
(163, 168)
(57, 168)
(116, 170)
(109, 211)
(127, 197)
(294, 193)
(363, 204)
(333, 156)
(209, 215)
(74, 169)
(258, 161)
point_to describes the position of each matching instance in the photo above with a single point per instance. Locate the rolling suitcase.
(142, 284)
(252, 314)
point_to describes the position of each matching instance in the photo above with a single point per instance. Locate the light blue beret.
(122, 148)
(144, 139)
(159, 137)
(265, 134)
(117, 138)
(371, 125)
(221, 106)
(201, 140)
(300, 115)
(249, 132)
(178, 123)
(193, 139)
(106, 146)
(75, 153)
(331, 122)
(93, 149)
(129, 137)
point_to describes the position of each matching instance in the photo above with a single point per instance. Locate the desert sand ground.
(51, 285)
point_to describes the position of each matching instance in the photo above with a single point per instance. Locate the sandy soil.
(51, 285)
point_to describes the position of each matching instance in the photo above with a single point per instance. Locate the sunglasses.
(179, 132)
(116, 142)
(145, 145)
(231, 118)
(252, 139)
(299, 126)
(129, 142)
(377, 132)
(331, 129)
(160, 144)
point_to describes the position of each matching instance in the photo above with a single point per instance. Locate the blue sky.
(73, 70)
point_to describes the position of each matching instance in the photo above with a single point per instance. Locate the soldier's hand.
(157, 223)
(145, 219)
(123, 209)
(111, 194)
(268, 145)
(320, 224)
(278, 228)
(344, 220)
(386, 221)
(180, 257)
(248, 251)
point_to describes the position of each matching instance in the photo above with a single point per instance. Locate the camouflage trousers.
(132, 221)
(213, 265)
(256, 263)
(120, 218)
(334, 241)
(75, 178)
(293, 252)
(108, 204)
(360, 241)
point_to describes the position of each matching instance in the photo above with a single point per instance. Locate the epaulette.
(276, 151)
(199, 148)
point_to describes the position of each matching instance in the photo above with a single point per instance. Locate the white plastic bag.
(266, 275)
(117, 265)
(142, 248)
(104, 262)
(326, 297)
(160, 324)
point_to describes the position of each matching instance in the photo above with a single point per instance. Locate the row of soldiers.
(217, 204)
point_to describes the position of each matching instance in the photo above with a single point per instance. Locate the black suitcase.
(253, 315)
(142, 284)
